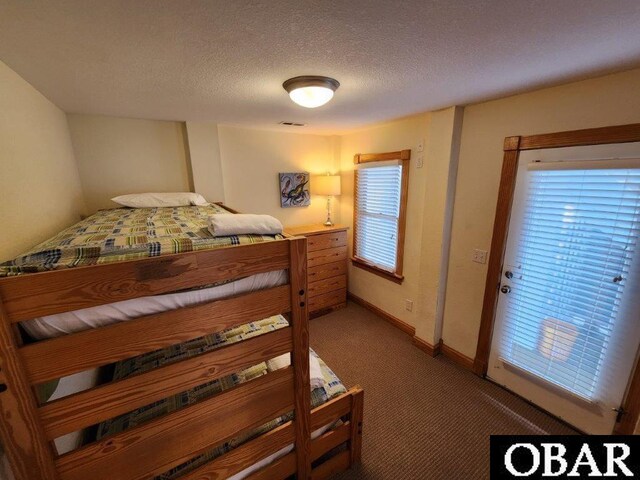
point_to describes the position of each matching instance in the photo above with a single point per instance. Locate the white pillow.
(150, 200)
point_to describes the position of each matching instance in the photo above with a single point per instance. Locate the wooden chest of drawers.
(326, 266)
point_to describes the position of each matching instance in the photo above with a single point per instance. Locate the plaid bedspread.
(124, 234)
(332, 387)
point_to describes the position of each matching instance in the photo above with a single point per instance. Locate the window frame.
(404, 156)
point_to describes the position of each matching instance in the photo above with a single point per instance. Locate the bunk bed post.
(29, 453)
(300, 355)
(357, 409)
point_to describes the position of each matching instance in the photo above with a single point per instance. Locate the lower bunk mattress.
(328, 387)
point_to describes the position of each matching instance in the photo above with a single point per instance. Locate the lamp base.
(328, 223)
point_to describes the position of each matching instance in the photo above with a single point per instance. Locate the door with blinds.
(567, 326)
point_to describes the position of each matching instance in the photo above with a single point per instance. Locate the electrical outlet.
(480, 256)
(408, 304)
(420, 162)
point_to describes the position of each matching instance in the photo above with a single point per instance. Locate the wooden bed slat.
(330, 411)
(261, 447)
(39, 294)
(163, 443)
(332, 466)
(282, 468)
(87, 408)
(245, 455)
(73, 353)
(329, 440)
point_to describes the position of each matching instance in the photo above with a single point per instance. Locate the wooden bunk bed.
(27, 428)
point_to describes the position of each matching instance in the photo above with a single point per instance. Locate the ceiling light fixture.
(311, 91)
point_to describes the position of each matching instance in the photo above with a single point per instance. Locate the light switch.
(480, 256)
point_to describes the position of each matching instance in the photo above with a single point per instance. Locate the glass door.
(567, 326)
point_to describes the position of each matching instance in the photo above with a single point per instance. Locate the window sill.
(394, 277)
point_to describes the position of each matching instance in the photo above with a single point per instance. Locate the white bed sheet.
(102, 315)
(66, 386)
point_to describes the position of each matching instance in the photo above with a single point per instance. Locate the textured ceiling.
(225, 61)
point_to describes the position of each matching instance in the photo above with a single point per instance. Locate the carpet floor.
(424, 417)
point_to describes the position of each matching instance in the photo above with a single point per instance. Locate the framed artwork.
(294, 189)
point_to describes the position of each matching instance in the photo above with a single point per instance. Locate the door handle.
(508, 274)
(505, 289)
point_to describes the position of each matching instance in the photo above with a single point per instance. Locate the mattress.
(102, 315)
(331, 387)
(124, 234)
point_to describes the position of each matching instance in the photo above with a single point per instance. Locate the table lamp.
(328, 185)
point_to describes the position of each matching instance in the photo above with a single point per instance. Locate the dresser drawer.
(327, 285)
(326, 240)
(328, 255)
(327, 300)
(328, 270)
(326, 266)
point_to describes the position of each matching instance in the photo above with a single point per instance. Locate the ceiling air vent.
(292, 124)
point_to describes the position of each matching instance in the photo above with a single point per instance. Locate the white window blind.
(574, 255)
(378, 210)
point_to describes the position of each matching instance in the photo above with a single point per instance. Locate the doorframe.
(512, 148)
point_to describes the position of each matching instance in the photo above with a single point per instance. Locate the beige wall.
(403, 134)
(252, 159)
(609, 100)
(206, 164)
(440, 164)
(428, 213)
(120, 155)
(239, 166)
(40, 191)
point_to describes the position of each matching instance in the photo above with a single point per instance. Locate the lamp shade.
(326, 185)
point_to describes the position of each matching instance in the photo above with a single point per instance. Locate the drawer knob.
(301, 292)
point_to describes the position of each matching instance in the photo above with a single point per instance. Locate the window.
(380, 202)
